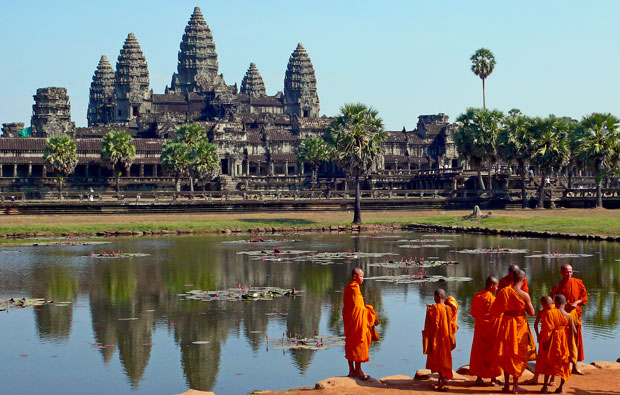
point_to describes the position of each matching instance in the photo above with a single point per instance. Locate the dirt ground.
(595, 381)
(317, 216)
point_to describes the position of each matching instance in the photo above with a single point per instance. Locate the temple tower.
(252, 83)
(51, 113)
(300, 95)
(101, 101)
(131, 82)
(197, 68)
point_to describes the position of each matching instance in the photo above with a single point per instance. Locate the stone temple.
(256, 134)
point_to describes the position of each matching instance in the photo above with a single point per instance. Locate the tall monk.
(359, 321)
(554, 345)
(481, 361)
(509, 279)
(438, 337)
(576, 296)
(514, 339)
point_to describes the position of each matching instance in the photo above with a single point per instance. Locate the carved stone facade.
(51, 113)
(102, 90)
(131, 83)
(252, 83)
(300, 94)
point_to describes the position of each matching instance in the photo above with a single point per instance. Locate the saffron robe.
(553, 353)
(481, 361)
(574, 290)
(359, 321)
(507, 281)
(438, 339)
(574, 322)
(514, 344)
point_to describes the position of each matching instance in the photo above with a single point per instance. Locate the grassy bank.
(591, 221)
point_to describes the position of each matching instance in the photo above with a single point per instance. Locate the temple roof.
(252, 83)
(300, 76)
(131, 69)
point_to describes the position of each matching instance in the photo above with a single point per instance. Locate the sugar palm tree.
(204, 162)
(60, 153)
(176, 158)
(515, 144)
(313, 151)
(483, 64)
(476, 138)
(191, 134)
(357, 137)
(550, 151)
(118, 151)
(598, 145)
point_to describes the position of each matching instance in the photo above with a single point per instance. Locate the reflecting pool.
(127, 330)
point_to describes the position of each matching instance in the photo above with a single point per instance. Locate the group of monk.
(503, 341)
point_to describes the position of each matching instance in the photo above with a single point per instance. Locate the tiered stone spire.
(300, 94)
(252, 83)
(198, 67)
(100, 105)
(51, 113)
(131, 79)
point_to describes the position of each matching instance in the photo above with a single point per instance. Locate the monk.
(514, 341)
(547, 304)
(509, 279)
(359, 322)
(438, 337)
(576, 296)
(554, 345)
(481, 361)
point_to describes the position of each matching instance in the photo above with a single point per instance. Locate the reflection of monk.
(514, 340)
(509, 279)
(359, 321)
(553, 352)
(438, 337)
(576, 296)
(481, 361)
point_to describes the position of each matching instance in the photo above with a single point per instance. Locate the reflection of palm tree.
(53, 321)
(303, 319)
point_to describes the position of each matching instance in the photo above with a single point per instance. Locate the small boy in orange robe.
(481, 361)
(547, 304)
(359, 321)
(554, 345)
(438, 337)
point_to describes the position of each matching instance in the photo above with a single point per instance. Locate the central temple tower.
(300, 95)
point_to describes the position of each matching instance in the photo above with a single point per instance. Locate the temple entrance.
(224, 166)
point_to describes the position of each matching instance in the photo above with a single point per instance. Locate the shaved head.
(567, 272)
(440, 293)
(490, 281)
(546, 300)
(513, 269)
(560, 299)
(356, 272)
(357, 275)
(519, 276)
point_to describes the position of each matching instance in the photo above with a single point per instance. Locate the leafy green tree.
(551, 150)
(483, 64)
(60, 153)
(515, 144)
(476, 138)
(314, 151)
(357, 137)
(176, 158)
(576, 159)
(191, 134)
(598, 145)
(118, 151)
(203, 161)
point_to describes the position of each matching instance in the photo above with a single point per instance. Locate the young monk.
(509, 279)
(547, 304)
(554, 345)
(481, 361)
(513, 336)
(359, 321)
(438, 337)
(576, 296)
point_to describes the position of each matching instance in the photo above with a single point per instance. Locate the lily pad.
(16, 303)
(317, 342)
(422, 245)
(496, 251)
(413, 264)
(413, 279)
(240, 294)
(112, 255)
(559, 255)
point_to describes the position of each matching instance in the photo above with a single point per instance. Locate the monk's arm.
(583, 295)
(529, 309)
(538, 314)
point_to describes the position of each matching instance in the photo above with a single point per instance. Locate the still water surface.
(50, 349)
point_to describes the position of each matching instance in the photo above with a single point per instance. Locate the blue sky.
(406, 58)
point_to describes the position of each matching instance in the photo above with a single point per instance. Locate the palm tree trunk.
(599, 192)
(490, 176)
(60, 188)
(191, 184)
(570, 177)
(541, 191)
(177, 183)
(357, 213)
(314, 173)
(484, 99)
(118, 190)
(523, 191)
(480, 180)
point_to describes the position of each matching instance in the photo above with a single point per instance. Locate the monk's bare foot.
(518, 390)
(479, 382)
(506, 390)
(559, 390)
(544, 390)
(496, 383)
(576, 371)
(359, 374)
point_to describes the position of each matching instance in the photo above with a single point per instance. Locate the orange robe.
(507, 281)
(438, 339)
(514, 343)
(574, 322)
(553, 354)
(574, 290)
(481, 361)
(358, 320)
